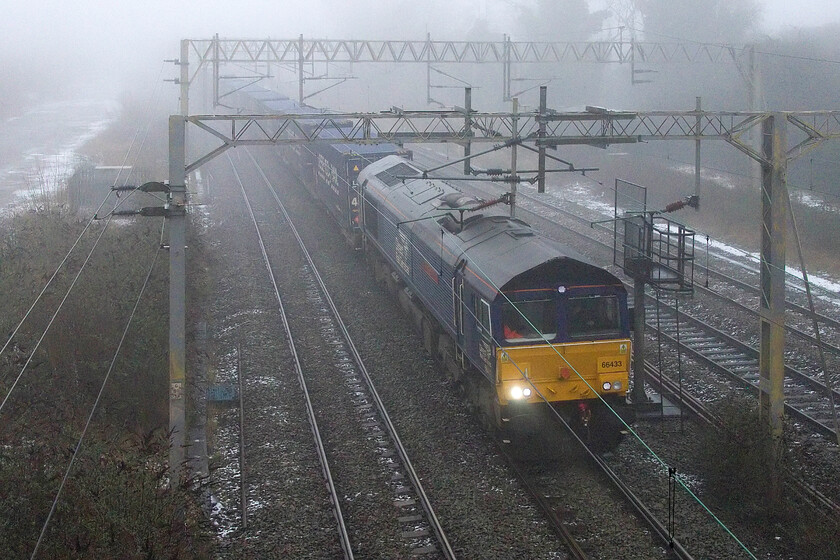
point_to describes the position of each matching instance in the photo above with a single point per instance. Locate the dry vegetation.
(737, 475)
(116, 503)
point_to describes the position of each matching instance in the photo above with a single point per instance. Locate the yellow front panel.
(563, 372)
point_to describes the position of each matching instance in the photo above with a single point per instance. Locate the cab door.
(484, 330)
(458, 311)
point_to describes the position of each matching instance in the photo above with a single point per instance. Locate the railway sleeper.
(718, 352)
(723, 355)
(712, 344)
(744, 363)
(693, 337)
(734, 359)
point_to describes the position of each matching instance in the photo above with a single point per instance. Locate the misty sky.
(118, 40)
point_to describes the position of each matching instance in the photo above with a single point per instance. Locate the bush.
(115, 503)
(739, 458)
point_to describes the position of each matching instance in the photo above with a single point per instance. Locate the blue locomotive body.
(538, 323)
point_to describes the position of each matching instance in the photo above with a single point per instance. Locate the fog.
(96, 44)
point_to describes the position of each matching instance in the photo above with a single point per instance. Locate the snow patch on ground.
(828, 289)
(44, 170)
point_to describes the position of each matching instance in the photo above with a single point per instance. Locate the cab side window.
(482, 316)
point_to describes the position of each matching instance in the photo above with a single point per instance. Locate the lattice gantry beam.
(598, 127)
(325, 50)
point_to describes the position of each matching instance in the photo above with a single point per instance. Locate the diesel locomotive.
(520, 321)
(524, 320)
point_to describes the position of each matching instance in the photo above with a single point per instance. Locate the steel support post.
(697, 151)
(429, 83)
(638, 394)
(184, 80)
(467, 129)
(506, 70)
(215, 71)
(513, 177)
(772, 280)
(177, 295)
(541, 153)
(301, 60)
(429, 69)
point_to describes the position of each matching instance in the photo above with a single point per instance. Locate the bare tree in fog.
(715, 21)
(626, 14)
(557, 20)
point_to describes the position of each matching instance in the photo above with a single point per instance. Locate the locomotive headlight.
(516, 392)
(617, 385)
(526, 392)
(607, 385)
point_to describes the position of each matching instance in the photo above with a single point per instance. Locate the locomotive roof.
(503, 253)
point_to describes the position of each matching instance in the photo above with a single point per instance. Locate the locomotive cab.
(566, 343)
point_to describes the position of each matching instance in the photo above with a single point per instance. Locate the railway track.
(557, 524)
(374, 437)
(542, 499)
(806, 396)
(360, 402)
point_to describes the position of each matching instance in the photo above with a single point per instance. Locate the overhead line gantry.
(198, 54)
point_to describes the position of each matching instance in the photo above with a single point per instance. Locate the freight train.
(518, 320)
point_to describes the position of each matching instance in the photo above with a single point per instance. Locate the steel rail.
(793, 410)
(539, 498)
(648, 516)
(790, 372)
(651, 519)
(753, 290)
(431, 517)
(344, 535)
